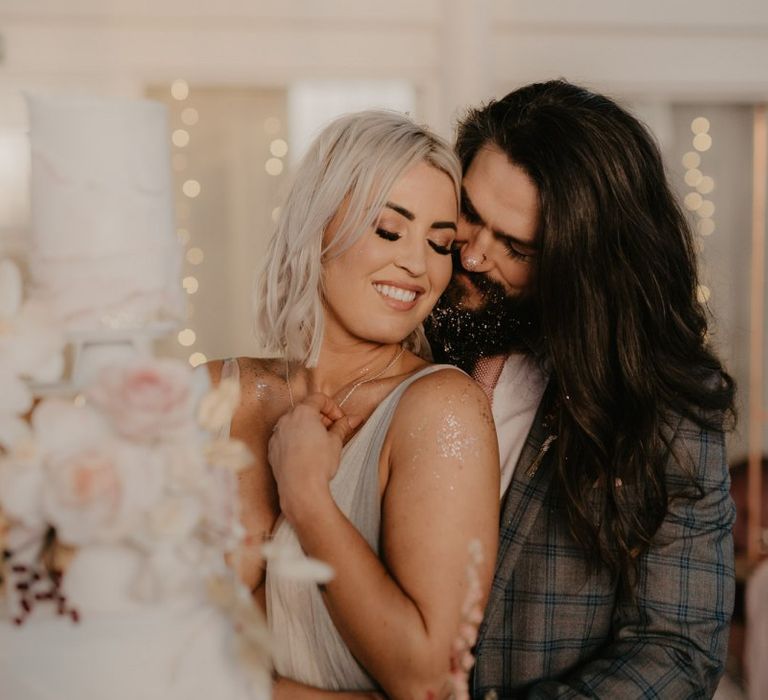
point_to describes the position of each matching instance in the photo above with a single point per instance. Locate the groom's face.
(487, 309)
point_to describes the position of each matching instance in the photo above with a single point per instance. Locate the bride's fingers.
(324, 405)
(345, 426)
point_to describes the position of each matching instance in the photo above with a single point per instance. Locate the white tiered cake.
(117, 505)
(103, 253)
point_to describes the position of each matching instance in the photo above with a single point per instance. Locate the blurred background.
(249, 82)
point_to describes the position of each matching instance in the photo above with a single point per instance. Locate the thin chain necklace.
(378, 374)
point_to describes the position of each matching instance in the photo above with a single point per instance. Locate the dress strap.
(230, 369)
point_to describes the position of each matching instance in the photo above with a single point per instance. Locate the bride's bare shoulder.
(444, 395)
(260, 378)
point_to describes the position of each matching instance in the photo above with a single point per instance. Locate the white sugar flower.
(233, 455)
(147, 399)
(97, 487)
(295, 565)
(219, 405)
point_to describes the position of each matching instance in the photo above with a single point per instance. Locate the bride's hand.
(305, 449)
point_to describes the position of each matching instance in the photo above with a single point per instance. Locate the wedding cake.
(118, 495)
(103, 252)
(115, 515)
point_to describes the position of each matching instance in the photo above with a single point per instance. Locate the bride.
(366, 456)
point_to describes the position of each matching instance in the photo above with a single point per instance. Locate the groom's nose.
(474, 242)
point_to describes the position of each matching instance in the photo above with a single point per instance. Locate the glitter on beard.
(460, 335)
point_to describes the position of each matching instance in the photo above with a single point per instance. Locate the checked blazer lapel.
(522, 502)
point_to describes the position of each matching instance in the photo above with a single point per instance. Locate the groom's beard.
(501, 324)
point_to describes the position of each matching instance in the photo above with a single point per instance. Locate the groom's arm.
(671, 642)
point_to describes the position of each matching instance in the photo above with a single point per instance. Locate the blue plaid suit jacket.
(554, 630)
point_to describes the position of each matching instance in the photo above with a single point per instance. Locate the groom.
(574, 305)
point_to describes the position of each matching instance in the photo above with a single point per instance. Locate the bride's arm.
(399, 615)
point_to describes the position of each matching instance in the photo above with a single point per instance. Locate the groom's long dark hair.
(615, 293)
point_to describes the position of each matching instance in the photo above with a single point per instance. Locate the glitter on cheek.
(453, 442)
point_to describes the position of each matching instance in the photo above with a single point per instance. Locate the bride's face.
(389, 280)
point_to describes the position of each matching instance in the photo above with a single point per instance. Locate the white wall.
(704, 49)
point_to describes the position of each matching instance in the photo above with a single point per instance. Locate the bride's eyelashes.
(392, 236)
(441, 249)
(387, 235)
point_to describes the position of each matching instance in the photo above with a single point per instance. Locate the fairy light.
(702, 142)
(700, 184)
(197, 358)
(180, 138)
(691, 160)
(700, 125)
(183, 235)
(191, 188)
(195, 256)
(180, 89)
(278, 148)
(275, 214)
(707, 209)
(189, 116)
(190, 284)
(692, 201)
(693, 177)
(705, 227)
(274, 166)
(705, 185)
(187, 337)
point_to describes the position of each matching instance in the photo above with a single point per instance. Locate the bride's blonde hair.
(355, 160)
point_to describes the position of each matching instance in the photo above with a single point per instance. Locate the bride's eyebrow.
(401, 210)
(411, 216)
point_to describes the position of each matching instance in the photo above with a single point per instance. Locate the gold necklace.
(378, 374)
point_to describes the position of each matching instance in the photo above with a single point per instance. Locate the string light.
(706, 227)
(693, 177)
(691, 160)
(701, 184)
(180, 89)
(692, 201)
(187, 337)
(197, 358)
(195, 256)
(274, 166)
(702, 142)
(189, 116)
(706, 185)
(275, 214)
(707, 209)
(278, 148)
(190, 284)
(183, 235)
(191, 188)
(700, 125)
(180, 138)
